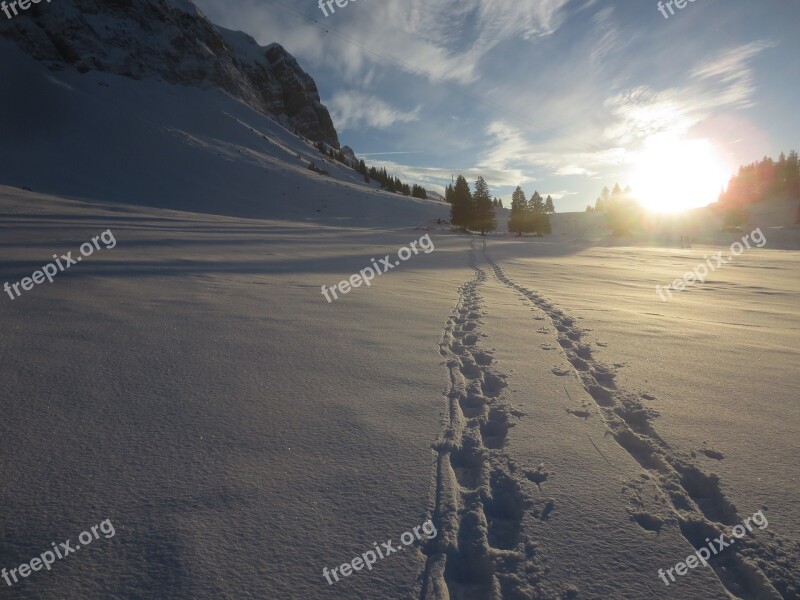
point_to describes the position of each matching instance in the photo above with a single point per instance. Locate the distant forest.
(767, 179)
(387, 181)
(475, 209)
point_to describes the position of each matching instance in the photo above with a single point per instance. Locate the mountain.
(172, 40)
(147, 102)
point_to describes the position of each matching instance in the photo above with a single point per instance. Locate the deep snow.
(193, 386)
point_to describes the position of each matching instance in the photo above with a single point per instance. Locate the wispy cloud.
(721, 82)
(354, 109)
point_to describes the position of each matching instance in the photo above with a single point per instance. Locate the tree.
(484, 219)
(602, 201)
(462, 211)
(624, 215)
(548, 205)
(519, 208)
(536, 203)
(538, 223)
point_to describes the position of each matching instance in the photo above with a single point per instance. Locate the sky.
(559, 96)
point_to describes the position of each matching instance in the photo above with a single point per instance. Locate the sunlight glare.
(671, 174)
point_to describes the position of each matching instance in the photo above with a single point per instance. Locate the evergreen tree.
(536, 203)
(484, 219)
(548, 205)
(602, 201)
(519, 208)
(462, 212)
(540, 223)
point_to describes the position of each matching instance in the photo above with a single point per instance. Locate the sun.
(672, 174)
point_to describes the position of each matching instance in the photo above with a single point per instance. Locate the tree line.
(530, 216)
(387, 181)
(623, 214)
(764, 180)
(608, 200)
(475, 209)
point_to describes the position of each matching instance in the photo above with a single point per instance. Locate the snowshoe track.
(481, 495)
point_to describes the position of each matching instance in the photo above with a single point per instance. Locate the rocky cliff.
(174, 41)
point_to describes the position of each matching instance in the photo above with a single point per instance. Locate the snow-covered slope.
(148, 102)
(100, 136)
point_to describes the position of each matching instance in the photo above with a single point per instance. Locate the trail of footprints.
(481, 495)
(676, 489)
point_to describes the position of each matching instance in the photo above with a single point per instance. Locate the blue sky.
(561, 96)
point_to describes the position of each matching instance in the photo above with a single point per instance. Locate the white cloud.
(354, 109)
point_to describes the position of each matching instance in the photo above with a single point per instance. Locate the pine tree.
(462, 212)
(536, 203)
(484, 219)
(519, 208)
(548, 205)
(602, 201)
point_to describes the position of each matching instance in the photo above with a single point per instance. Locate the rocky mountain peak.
(174, 41)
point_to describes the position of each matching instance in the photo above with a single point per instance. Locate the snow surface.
(193, 386)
